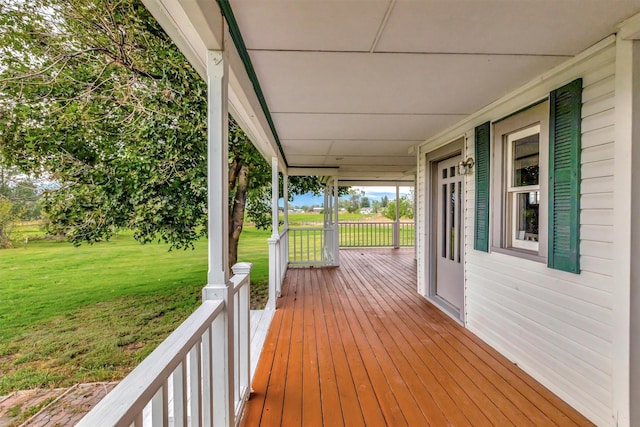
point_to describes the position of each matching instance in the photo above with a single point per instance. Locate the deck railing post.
(396, 224)
(336, 227)
(273, 273)
(243, 344)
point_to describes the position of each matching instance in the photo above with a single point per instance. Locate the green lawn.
(91, 313)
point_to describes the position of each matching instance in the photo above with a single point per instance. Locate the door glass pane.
(527, 216)
(452, 171)
(526, 160)
(444, 219)
(452, 220)
(444, 172)
(459, 227)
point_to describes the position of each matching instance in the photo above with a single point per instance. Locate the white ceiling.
(354, 84)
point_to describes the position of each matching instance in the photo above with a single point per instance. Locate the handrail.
(126, 402)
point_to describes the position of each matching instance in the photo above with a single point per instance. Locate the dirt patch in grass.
(259, 295)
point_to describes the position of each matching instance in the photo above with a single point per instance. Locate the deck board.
(356, 346)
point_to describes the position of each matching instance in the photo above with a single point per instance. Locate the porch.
(355, 345)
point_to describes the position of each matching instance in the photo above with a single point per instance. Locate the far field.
(91, 313)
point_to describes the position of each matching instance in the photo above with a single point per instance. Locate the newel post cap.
(242, 268)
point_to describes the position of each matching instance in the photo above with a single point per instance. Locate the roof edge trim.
(236, 36)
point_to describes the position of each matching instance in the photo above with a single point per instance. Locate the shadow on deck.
(356, 345)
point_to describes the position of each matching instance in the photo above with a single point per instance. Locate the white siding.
(557, 326)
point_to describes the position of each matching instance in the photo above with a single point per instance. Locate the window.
(527, 181)
(523, 188)
(520, 163)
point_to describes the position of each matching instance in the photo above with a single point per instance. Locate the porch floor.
(356, 345)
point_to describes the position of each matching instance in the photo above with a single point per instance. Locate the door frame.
(452, 149)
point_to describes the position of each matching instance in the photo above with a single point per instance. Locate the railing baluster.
(195, 384)
(315, 249)
(236, 345)
(207, 375)
(218, 353)
(158, 408)
(179, 395)
(244, 365)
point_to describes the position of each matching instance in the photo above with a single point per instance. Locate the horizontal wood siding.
(557, 326)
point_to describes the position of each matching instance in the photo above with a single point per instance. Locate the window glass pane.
(452, 171)
(527, 218)
(526, 160)
(444, 172)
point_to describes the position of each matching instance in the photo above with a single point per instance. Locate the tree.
(365, 203)
(21, 191)
(405, 211)
(8, 219)
(95, 94)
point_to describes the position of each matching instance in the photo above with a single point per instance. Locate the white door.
(449, 276)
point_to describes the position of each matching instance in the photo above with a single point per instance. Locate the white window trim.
(511, 191)
(501, 233)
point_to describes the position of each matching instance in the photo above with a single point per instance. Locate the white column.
(285, 194)
(285, 251)
(217, 169)
(274, 196)
(626, 232)
(396, 225)
(218, 284)
(274, 240)
(415, 216)
(336, 225)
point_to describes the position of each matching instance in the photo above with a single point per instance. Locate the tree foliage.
(8, 218)
(405, 211)
(95, 94)
(21, 191)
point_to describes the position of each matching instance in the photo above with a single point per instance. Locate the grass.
(91, 313)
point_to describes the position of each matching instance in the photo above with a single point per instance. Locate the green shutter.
(564, 177)
(482, 143)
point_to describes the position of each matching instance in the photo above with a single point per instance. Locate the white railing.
(406, 234)
(308, 246)
(284, 257)
(278, 263)
(183, 381)
(376, 234)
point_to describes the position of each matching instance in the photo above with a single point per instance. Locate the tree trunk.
(236, 217)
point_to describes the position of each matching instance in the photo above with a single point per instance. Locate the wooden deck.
(356, 345)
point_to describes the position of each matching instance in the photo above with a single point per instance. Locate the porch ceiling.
(356, 83)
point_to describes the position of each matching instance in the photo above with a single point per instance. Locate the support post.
(275, 223)
(274, 240)
(285, 251)
(285, 195)
(415, 215)
(396, 224)
(626, 238)
(218, 285)
(336, 225)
